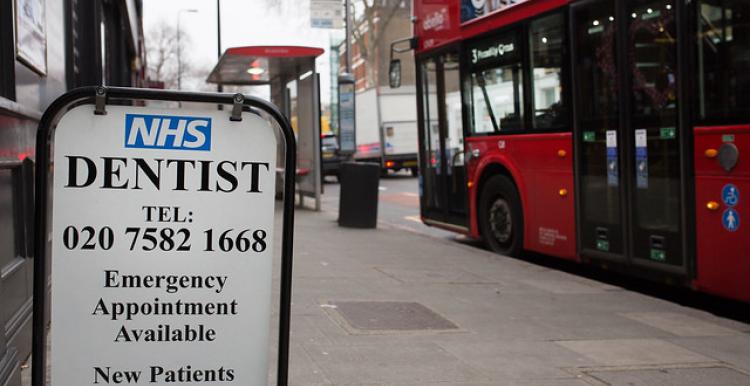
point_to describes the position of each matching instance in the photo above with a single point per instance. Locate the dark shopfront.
(46, 48)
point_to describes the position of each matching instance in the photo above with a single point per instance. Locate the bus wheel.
(500, 216)
(414, 172)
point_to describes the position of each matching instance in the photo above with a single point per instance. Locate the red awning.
(255, 65)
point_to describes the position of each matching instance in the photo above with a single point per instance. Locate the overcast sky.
(243, 23)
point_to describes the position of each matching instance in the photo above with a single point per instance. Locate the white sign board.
(326, 14)
(161, 247)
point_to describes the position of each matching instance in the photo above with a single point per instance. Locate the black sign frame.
(99, 96)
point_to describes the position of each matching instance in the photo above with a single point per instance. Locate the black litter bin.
(358, 200)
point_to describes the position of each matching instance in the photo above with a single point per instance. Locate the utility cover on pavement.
(395, 316)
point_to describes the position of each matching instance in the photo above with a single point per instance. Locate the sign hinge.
(100, 100)
(239, 101)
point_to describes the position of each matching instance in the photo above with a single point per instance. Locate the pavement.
(404, 304)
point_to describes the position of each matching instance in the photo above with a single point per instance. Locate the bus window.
(546, 58)
(483, 119)
(723, 47)
(596, 104)
(454, 140)
(652, 53)
(431, 128)
(497, 99)
(496, 87)
(652, 47)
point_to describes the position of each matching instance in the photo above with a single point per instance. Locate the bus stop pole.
(347, 16)
(219, 86)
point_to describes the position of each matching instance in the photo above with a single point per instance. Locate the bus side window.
(723, 50)
(496, 84)
(546, 39)
(498, 99)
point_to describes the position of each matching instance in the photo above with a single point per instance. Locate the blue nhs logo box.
(167, 132)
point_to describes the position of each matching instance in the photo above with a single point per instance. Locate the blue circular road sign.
(730, 195)
(730, 220)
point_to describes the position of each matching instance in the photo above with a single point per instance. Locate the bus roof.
(441, 22)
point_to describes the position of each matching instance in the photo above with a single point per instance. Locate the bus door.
(442, 157)
(628, 149)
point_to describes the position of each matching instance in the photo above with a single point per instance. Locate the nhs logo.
(167, 132)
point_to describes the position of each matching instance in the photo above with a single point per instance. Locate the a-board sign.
(161, 233)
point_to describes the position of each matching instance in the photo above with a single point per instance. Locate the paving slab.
(434, 276)
(711, 376)
(630, 352)
(734, 349)
(680, 324)
(399, 363)
(305, 371)
(517, 360)
(568, 285)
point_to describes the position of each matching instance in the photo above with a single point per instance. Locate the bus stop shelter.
(294, 88)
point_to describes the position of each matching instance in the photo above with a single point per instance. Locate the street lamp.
(179, 47)
(219, 87)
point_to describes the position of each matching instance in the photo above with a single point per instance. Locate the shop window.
(16, 213)
(7, 51)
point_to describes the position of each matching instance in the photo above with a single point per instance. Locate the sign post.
(161, 240)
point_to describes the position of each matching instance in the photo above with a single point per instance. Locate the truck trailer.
(386, 129)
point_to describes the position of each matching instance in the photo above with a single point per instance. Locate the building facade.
(47, 47)
(371, 45)
(385, 118)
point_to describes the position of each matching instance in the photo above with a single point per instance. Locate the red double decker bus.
(601, 131)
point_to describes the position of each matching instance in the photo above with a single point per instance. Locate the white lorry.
(386, 128)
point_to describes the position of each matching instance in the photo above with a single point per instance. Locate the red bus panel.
(541, 165)
(722, 205)
(438, 22)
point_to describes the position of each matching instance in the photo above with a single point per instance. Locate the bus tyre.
(414, 172)
(500, 216)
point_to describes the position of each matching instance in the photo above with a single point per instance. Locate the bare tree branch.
(369, 27)
(161, 51)
(387, 20)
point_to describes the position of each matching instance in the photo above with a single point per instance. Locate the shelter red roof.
(255, 65)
